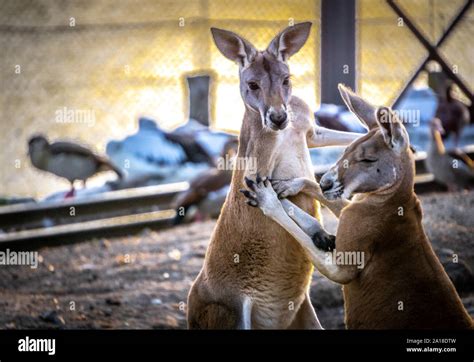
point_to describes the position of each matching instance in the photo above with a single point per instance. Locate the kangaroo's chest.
(292, 158)
(272, 267)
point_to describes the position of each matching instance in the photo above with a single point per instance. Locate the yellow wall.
(127, 58)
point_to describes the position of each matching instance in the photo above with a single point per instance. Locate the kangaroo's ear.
(393, 130)
(364, 111)
(289, 41)
(234, 47)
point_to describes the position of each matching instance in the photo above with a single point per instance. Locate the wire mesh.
(388, 53)
(110, 61)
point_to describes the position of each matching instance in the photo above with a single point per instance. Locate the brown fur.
(266, 271)
(402, 284)
(402, 266)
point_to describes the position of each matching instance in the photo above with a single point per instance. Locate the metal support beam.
(337, 48)
(199, 98)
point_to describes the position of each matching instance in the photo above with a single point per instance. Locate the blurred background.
(114, 61)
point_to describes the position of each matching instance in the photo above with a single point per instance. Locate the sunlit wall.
(121, 59)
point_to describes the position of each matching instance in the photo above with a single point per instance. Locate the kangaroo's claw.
(251, 197)
(248, 194)
(250, 184)
(252, 203)
(261, 194)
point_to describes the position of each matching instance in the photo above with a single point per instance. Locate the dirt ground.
(142, 281)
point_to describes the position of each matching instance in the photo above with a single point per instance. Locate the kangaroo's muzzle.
(330, 186)
(276, 119)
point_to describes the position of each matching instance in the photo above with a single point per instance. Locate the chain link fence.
(111, 61)
(107, 62)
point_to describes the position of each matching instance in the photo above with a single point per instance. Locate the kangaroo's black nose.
(278, 118)
(326, 184)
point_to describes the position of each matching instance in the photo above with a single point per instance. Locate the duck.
(338, 118)
(452, 168)
(207, 191)
(185, 136)
(453, 113)
(168, 156)
(212, 141)
(68, 160)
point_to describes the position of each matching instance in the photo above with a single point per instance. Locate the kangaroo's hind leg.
(225, 312)
(306, 317)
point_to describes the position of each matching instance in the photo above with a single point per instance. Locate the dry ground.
(141, 281)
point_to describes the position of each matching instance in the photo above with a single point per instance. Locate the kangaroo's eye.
(368, 160)
(286, 81)
(253, 86)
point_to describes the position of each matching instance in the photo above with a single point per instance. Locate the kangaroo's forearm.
(319, 258)
(305, 221)
(321, 137)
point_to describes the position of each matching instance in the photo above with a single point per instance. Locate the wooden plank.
(63, 234)
(115, 203)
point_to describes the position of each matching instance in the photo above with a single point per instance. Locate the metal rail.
(114, 203)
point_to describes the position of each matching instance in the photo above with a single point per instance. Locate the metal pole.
(337, 48)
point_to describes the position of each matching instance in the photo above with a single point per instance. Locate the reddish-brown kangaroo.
(255, 275)
(392, 278)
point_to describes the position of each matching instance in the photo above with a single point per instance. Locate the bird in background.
(452, 168)
(453, 113)
(68, 160)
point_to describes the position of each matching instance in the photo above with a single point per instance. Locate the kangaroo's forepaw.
(286, 188)
(251, 197)
(261, 194)
(324, 241)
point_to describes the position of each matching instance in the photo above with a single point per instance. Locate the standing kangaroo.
(255, 275)
(401, 284)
